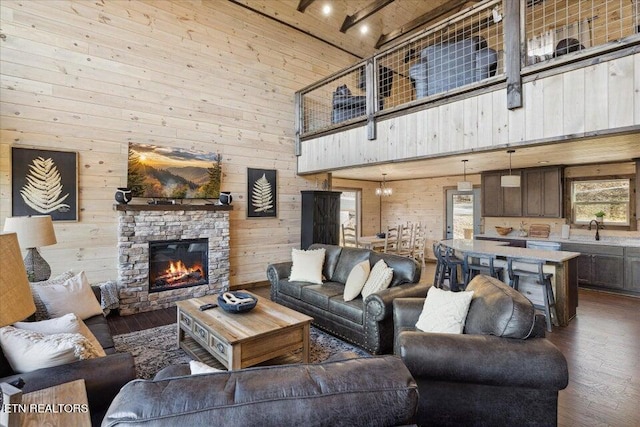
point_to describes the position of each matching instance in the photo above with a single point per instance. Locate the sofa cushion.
(307, 265)
(497, 309)
(350, 310)
(41, 309)
(73, 296)
(293, 289)
(100, 328)
(331, 256)
(349, 258)
(379, 279)
(318, 295)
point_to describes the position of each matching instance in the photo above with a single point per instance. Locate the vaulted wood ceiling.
(388, 21)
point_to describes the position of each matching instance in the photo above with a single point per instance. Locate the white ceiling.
(619, 148)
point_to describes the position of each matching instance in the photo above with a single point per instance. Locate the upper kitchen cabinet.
(498, 200)
(542, 192)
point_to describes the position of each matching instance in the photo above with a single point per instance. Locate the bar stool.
(542, 278)
(471, 269)
(446, 267)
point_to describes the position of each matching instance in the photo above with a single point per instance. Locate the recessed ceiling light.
(543, 162)
(364, 29)
(326, 9)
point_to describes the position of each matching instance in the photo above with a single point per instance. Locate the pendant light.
(465, 185)
(384, 190)
(510, 180)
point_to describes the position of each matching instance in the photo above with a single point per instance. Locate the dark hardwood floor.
(602, 347)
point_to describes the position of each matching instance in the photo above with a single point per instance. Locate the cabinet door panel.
(584, 269)
(632, 274)
(552, 193)
(608, 271)
(491, 195)
(531, 187)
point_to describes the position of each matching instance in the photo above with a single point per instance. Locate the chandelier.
(384, 190)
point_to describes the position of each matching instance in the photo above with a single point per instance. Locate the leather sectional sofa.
(449, 65)
(370, 391)
(369, 323)
(103, 376)
(500, 372)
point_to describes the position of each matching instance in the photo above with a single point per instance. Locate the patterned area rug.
(156, 348)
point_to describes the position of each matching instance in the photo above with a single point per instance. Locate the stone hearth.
(140, 224)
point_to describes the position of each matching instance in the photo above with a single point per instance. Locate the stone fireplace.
(168, 253)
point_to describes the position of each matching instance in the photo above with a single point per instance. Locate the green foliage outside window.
(611, 197)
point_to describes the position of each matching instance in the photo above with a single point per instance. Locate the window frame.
(569, 206)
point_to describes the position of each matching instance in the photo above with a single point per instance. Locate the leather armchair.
(500, 371)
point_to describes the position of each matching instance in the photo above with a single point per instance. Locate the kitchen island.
(561, 264)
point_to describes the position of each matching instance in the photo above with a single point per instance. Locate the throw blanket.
(109, 296)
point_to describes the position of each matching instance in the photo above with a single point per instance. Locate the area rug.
(156, 348)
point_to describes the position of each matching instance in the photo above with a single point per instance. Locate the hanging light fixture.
(510, 180)
(465, 185)
(384, 190)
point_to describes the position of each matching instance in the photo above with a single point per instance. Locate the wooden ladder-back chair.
(405, 240)
(419, 242)
(391, 240)
(349, 236)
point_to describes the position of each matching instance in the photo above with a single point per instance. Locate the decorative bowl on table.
(503, 231)
(237, 302)
(381, 235)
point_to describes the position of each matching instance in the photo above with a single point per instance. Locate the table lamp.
(16, 301)
(33, 232)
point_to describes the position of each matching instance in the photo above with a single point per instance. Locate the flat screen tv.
(173, 173)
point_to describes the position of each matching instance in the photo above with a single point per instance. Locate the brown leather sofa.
(103, 376)
(370, 391)
(369, 323)
(500, 372)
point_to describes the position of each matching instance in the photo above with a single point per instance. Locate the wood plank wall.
(206, 75)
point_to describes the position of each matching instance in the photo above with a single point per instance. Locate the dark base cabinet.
(320, 218)
(607, 267)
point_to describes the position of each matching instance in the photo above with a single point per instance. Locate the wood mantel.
(176, 207)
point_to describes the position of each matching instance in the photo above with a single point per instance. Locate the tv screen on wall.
(173, 173)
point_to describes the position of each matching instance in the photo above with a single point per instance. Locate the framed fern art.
(262, 191)
(44, 182)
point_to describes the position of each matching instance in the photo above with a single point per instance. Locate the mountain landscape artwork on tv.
(173, 173)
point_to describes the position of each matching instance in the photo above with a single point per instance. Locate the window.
(611, 196)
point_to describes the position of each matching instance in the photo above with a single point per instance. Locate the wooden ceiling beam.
(304, 4)
(362, 14)
(419, 21)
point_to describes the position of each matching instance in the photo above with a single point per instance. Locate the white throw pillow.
(307, 265)
(379, 279)
(41, 310)
(201, 368)
(67, 324)
(444, 311)
(27, 351)
(73, 296)
(356, 280)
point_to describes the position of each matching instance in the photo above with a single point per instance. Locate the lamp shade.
(33, 231)
(510, 181)
(16, 301)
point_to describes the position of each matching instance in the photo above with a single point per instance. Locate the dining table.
(370, 242)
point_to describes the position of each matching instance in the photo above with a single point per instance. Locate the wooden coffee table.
(239, 340)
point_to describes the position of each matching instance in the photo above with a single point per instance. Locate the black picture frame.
(262, 193)
(36, 173)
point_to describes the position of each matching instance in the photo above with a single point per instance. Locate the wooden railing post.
(372, 91)
(512, 50)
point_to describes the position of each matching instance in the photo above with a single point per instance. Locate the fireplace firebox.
(177, 264)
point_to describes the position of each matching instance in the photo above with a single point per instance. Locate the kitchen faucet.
(598, 227)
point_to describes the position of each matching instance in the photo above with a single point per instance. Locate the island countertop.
(499, 249)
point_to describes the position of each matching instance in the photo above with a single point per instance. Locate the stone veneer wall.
(136, 227)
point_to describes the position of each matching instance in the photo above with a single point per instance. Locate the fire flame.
(178, 268)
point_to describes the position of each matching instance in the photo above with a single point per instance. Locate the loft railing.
(475, 48)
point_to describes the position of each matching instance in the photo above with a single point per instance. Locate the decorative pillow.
(67, 324)
(41, 310)
(307, 265)
(444, 311)
(356, 280)
(379, 279)
(201, 368)
(27, 351)
(73, 296)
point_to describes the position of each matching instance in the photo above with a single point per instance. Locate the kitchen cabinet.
(632, 269)
(498, 200)
(599, 265)
(320, 218)
(542, 192)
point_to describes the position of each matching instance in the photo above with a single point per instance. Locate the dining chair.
(391, 240)
(419, 242)
(405, 240)
(349, 236)
(446, 268)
